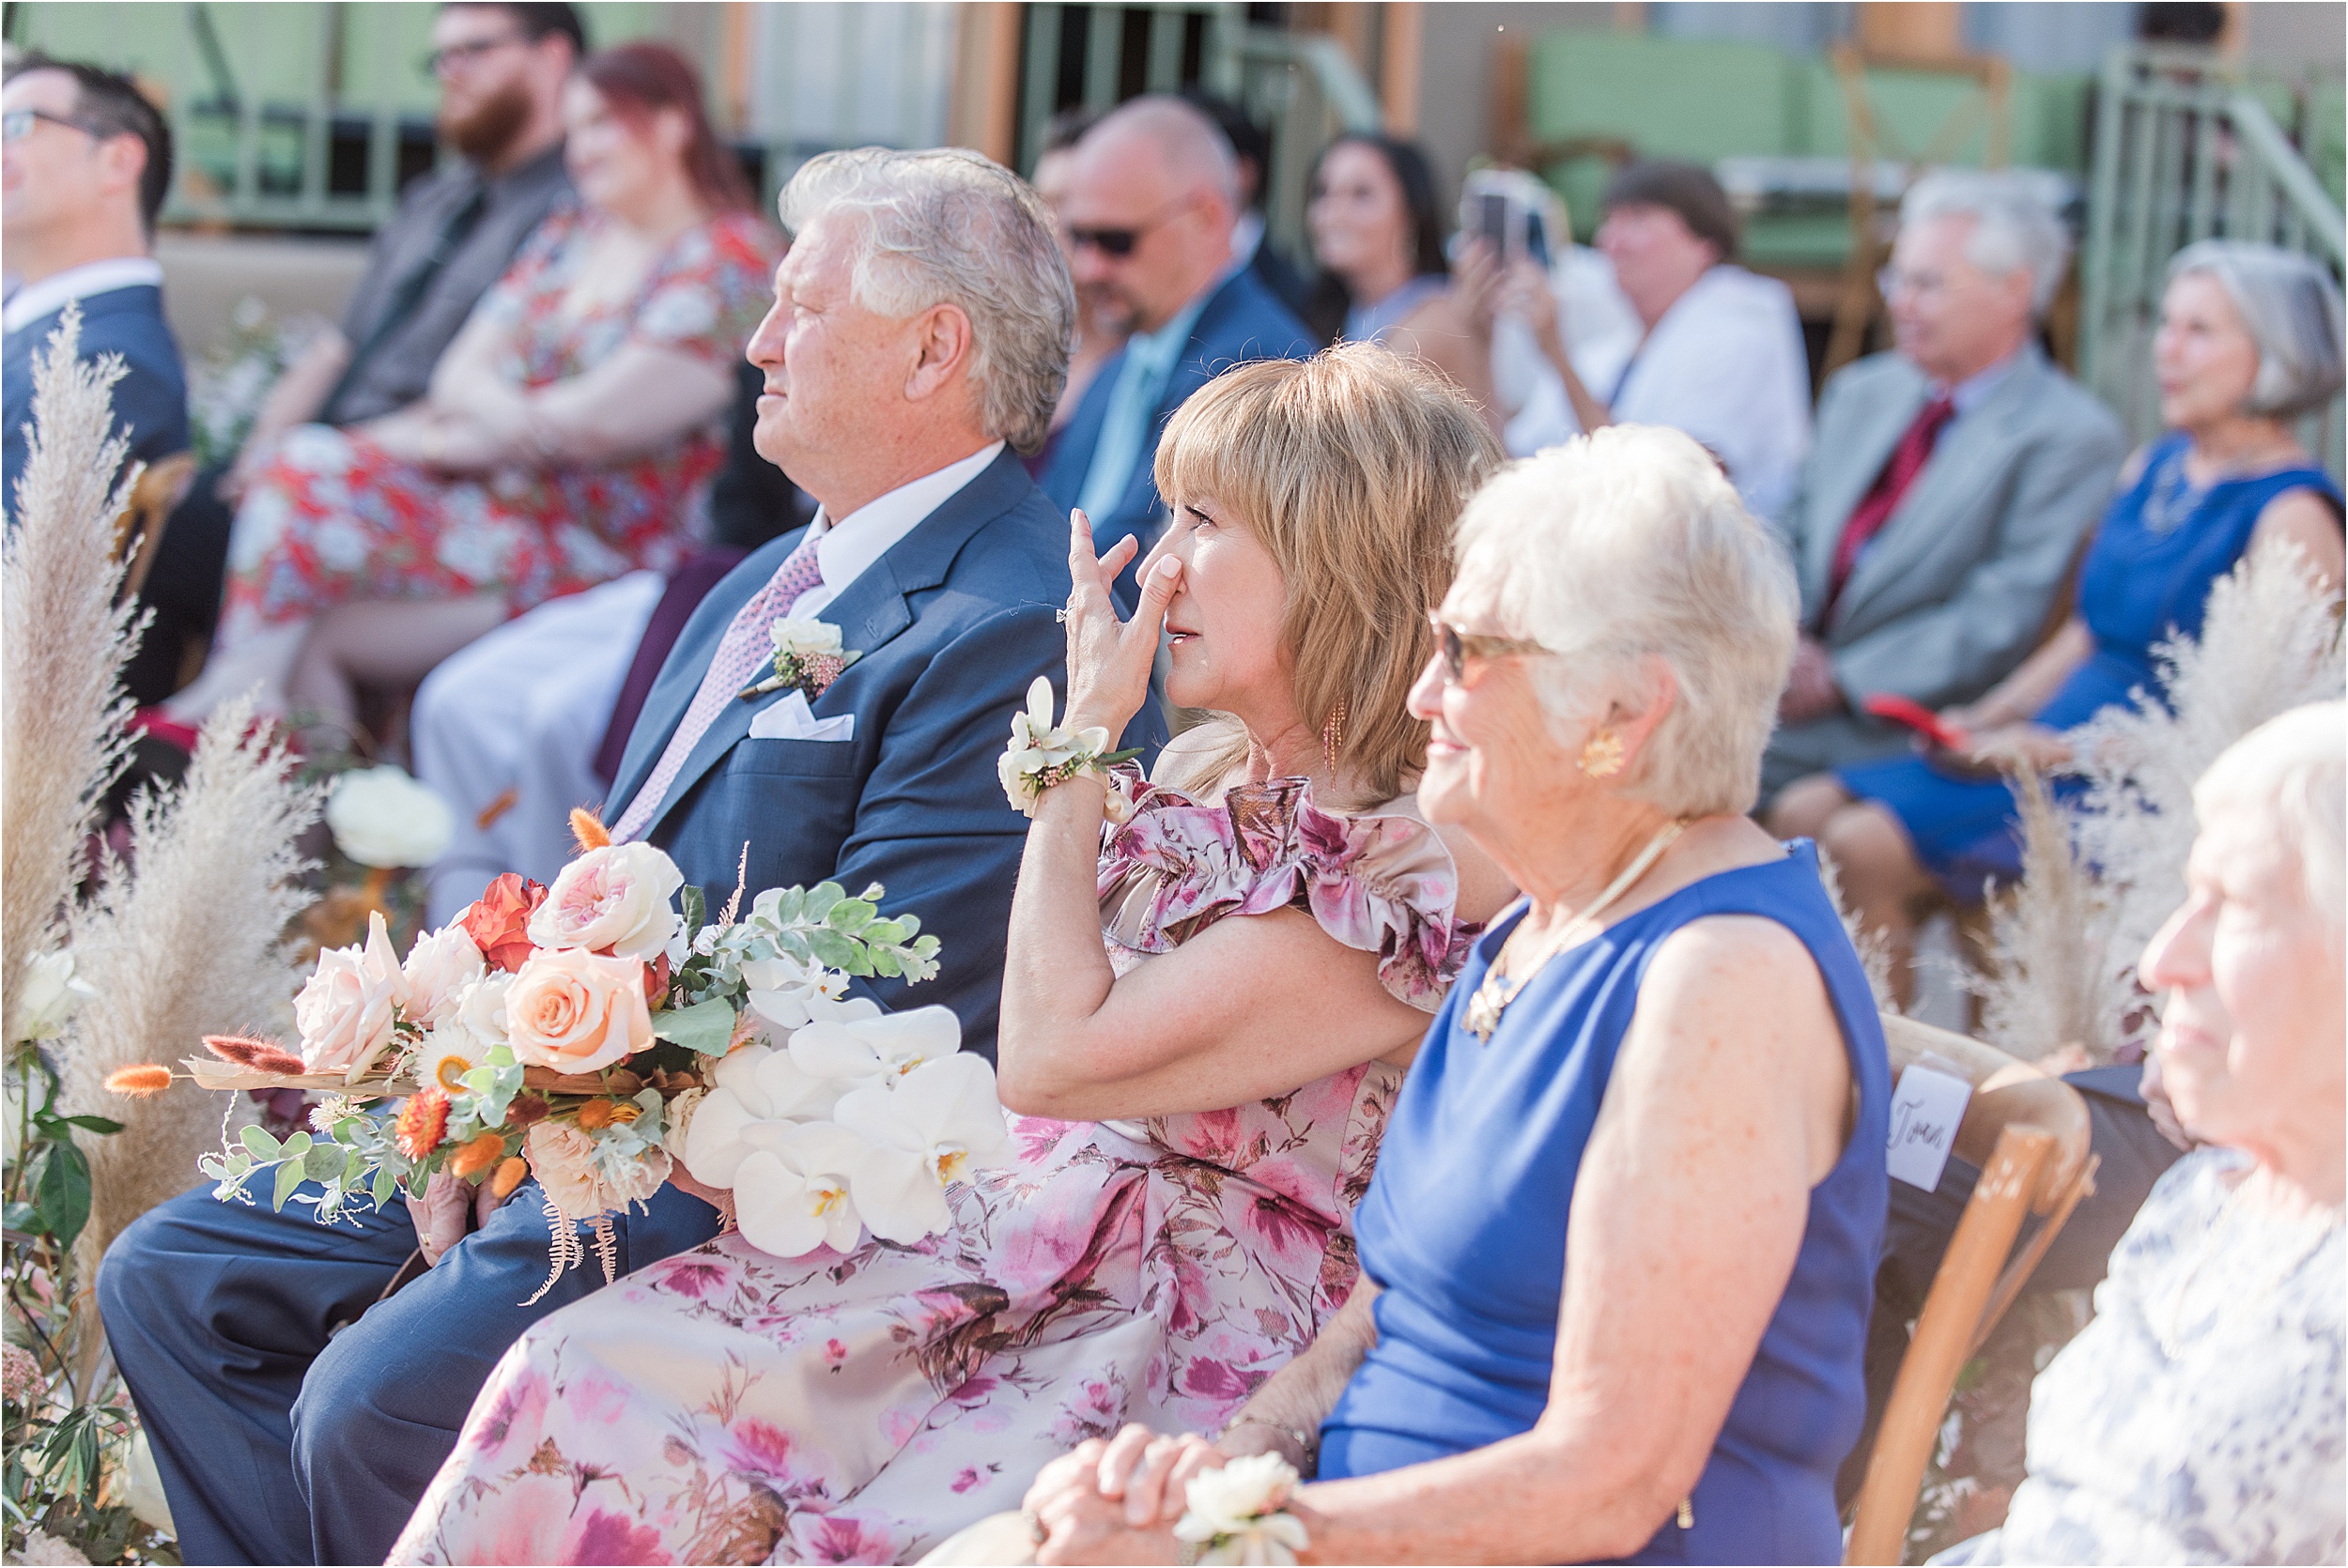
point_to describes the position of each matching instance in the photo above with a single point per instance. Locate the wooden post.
(983, 110)
(1399, 69)
(1917, 30)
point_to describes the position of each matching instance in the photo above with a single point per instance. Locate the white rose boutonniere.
(1239, 1513)
(809, 657)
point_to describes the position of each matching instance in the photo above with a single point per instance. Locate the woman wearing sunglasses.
(1618, 1260)
(1212, 984)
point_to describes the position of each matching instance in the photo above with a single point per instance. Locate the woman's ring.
(1060, 615)
(1035, 1526)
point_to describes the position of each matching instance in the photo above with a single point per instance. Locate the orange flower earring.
(1602, 757)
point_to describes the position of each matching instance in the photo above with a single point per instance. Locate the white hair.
(1630, 544)
(2014, 223)
(2290, 308)
(950, 227)
(2293, 768)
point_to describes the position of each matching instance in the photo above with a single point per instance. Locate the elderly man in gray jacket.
(1951, 483)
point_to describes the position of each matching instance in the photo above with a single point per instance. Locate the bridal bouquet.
(575, 1032)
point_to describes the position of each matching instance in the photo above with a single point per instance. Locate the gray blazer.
(1956, 590)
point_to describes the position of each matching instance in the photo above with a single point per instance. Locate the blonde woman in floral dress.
(1206, 1012)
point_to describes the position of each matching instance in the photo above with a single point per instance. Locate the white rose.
(440, 966)
(805, 639)
(612, 900)
(381, 816)
(49, 995)
(1240, 1505)
(347, 1010)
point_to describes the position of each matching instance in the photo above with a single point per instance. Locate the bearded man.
(500, 69)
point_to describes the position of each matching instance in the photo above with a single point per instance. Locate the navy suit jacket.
(151, 398)
(953, 623)
(1242, 321)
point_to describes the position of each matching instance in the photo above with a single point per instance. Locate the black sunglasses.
(1457, 647)
(1120, 243)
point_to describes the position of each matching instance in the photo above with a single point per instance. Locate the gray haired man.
(1949, 484)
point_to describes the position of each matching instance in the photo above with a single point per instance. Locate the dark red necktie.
(1875, 510)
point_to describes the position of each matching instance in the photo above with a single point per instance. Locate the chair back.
(139, 531)
(2028, 1133)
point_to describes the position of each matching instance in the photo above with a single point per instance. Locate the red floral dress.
(729, 1407)
(333, 519)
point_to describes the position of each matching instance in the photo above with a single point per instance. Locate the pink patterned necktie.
(742, 654)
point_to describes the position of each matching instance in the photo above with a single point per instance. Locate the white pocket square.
(791, 720)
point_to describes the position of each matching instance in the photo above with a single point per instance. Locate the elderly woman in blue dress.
(1617, 1257)
(2199, 1419)
(2250, 339)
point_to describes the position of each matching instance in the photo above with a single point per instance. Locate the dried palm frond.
(187, 939)
(2053, 977)
(63, 640)
(1874, 957)
(2270, 642)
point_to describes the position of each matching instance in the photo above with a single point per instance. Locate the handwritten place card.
(1925, 1108)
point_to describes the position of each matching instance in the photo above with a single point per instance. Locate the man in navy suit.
(919, 333)
(87, 164)
(1149, 220)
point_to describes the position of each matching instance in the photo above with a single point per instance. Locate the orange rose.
(574, 1011)
(499, 920)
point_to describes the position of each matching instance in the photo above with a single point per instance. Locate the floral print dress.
(729, 1407)
(334, 518)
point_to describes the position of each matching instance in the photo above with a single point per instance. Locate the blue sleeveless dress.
(1464, 1231)
(2137, 587)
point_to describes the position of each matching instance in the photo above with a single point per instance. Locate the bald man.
(1148, 214)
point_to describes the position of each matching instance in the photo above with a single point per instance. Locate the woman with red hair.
(563, 437)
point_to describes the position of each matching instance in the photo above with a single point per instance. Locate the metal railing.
(2183, 153)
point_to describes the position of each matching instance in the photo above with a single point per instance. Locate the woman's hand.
(1117, 1502)
(1524, 292)
(1108, 659)
(2008, 746)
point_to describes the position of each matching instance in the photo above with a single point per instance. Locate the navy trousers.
(295, 1416)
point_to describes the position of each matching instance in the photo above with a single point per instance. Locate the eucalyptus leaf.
(704, 1027)
(260, 1143)
(850, 916)
(821, 897)
(289, 1182)
(835, 951)
(325, 1161)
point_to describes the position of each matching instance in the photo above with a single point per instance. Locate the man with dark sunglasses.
(86, 163)
(1149, 218)
(501, 70)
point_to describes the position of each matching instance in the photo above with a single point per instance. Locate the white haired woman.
(1618, 1260)
(2199, 1418)
(1235, 970)
(2250, 339)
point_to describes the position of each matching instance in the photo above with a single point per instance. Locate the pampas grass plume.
(63, 640)
(188, 937)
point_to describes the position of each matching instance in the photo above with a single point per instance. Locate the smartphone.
(1491, 220)
(1537, 238)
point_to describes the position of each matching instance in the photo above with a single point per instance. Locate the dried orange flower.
(140, 1079)
(423, 1122)
(480, 1155)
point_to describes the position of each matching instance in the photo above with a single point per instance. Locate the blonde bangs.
(1353, 467)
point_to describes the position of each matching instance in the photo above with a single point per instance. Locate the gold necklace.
(1491, 998)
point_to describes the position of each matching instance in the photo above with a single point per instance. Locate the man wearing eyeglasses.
(501, 70)
(87, 162)
(1149, 218)
(1949, 484)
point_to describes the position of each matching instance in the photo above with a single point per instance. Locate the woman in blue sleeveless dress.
(2241, 351)
(1619, 1253)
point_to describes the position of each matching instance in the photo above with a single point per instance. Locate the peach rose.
(575, 1011)
(613, 900)
(347, 1010)
(564, 1160)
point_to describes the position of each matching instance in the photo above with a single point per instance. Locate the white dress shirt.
(33, 301)
(844, 549)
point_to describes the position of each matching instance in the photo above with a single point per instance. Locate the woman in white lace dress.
(2199, 1419)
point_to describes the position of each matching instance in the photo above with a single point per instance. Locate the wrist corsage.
(1042, 754)
(1239, 1513)
(808, 658)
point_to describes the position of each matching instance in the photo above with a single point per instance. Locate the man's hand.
(1810, 689)
(443, 1216)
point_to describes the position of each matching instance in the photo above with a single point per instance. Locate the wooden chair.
(2028, 1133)
(139, 531)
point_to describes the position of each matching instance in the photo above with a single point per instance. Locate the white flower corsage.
(1042, 754)
(1239, 1513)
(808, 658)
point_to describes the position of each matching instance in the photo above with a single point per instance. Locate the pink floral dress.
(334, 517)
(728, 1406)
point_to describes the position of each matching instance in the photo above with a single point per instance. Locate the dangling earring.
(1602, 757)
(1332, 736)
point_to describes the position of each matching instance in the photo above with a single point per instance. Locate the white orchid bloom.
(1037, 744)
(756, 1090)
(882, 1046)
(794, 1191)
(52, 995)
(943, 1122)
(791, 995)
